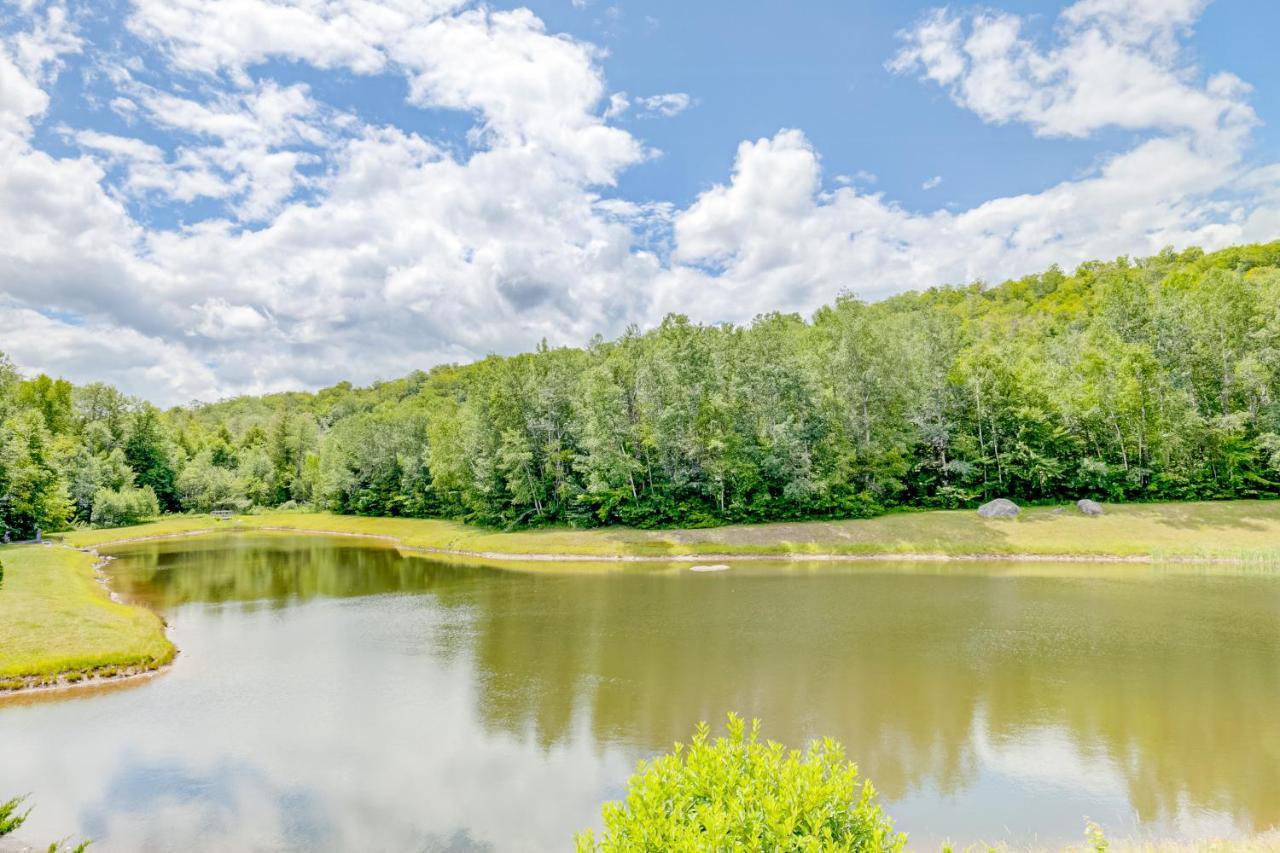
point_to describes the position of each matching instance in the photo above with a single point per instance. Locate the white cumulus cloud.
(339, 246)
(666, 105)
(774, 233)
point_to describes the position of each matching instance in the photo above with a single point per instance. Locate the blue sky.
(219, 196)
(820, 66)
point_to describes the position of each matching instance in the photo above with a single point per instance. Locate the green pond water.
(333, 694)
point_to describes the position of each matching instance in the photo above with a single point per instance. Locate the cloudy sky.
(207, 197)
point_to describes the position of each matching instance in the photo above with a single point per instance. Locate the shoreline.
(720, 557)
(73, 680)
(1227, 532)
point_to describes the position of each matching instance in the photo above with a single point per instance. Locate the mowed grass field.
(1232, 530)
(56, 618)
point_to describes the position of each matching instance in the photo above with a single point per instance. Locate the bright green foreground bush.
(739, 794)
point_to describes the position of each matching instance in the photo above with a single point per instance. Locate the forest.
(1128, 380)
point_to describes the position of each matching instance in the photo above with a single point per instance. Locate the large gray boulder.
(1089, 507)
(999, 508)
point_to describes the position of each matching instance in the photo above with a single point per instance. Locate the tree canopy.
(1148, 379)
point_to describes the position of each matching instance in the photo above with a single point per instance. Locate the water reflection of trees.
(274, 569)
(1172, 681)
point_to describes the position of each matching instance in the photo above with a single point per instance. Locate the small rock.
(999, 508)
(714, 567)
(1089, 507)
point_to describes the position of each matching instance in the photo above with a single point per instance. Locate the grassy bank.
(1266, 843)
(1232, 530)
(58, 624)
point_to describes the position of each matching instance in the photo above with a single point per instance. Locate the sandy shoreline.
(71, 681)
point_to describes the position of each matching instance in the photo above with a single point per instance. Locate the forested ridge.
(1127, 380)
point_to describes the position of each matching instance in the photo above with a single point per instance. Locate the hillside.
(1129, 380)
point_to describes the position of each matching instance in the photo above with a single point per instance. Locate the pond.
(336, 694)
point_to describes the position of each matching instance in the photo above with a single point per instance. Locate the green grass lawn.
(1245, 530)
(56, 618)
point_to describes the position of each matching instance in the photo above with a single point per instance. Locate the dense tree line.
(1127, 380)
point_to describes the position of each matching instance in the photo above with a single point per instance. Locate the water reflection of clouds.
(411, 770)
(194, 801)
(1049, 759)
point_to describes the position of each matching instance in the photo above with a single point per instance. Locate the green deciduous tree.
(33, 495)
(149, 452)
